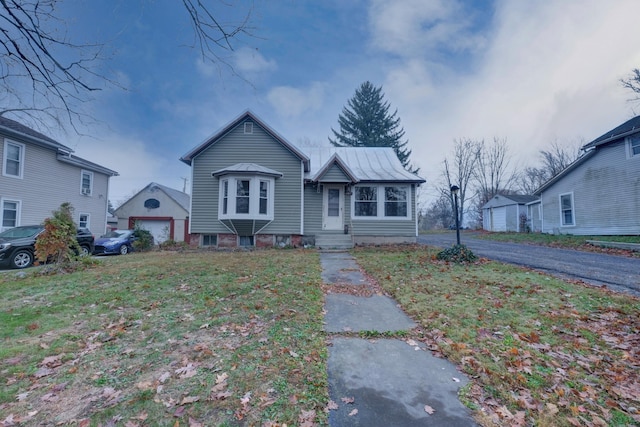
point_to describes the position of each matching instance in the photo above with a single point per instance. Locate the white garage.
(507, 213)
(160, 229)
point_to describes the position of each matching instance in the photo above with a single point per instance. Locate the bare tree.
(633, 83)
(439, 214)
(492, 172)
(459, 171)
(555, 159)
(44, 75)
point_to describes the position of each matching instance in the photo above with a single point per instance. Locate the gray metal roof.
(248, 168)
(366, 164)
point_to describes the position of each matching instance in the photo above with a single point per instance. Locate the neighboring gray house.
(39, 174)
(251, 187)
(599, 193)
(507, 213)
(161, 210)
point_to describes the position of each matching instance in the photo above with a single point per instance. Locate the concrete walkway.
(382, 382)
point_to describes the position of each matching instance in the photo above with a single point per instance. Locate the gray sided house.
(251, 187)
(157, 208)
(39, 174)
(599, 193)
(507, 213)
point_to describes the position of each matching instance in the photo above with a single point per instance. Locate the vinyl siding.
(313, 210)
(47, 183)
(606, 195)
(238, 147)
(334, 174)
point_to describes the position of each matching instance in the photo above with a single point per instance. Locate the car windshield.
(117, 234)
(20, 232)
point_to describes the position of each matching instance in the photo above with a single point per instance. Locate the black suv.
(18, 245)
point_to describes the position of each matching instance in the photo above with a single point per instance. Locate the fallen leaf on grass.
(348, 399)
(189, 399)
(22, 396)
(429, 410)
(43, 372)
(194, 423)
(352, 413)
(186, 371)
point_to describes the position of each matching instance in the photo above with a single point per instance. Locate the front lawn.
(166, 339)
(539, 351)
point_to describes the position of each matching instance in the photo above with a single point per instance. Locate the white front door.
(332, 207)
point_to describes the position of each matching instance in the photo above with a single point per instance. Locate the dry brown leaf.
(332, 405)
(429, 410)
(352, 413)
(348, 399)
(189, 399)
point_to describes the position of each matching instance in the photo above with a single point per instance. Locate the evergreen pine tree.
(366, 122)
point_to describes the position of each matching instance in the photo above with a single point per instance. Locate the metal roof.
(368, 164)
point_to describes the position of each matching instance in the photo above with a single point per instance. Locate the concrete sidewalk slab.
(348, 313)
(391, 382)
(340, 267)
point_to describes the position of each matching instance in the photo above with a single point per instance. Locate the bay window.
(381, 202)
(246, 197)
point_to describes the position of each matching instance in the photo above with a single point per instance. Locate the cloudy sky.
(532, 72)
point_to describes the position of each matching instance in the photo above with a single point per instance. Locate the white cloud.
(409, 27)
(549, 71)
(249, 60)
(291, 102)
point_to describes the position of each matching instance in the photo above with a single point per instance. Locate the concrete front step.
(334, 241)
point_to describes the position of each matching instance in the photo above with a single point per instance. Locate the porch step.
(334, 241)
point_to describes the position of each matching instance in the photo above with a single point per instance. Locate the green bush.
(457, 253)
(144, 239)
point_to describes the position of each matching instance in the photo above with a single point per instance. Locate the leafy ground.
(539, 351)
(565, 241)
(166, 339)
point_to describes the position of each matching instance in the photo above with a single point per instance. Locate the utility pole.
(184, 185)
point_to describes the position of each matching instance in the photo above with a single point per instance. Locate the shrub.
(57, 243)
(144, 241)
(457, 253)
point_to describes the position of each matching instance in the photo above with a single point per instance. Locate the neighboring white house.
(161, 210)
(39, 174)
(599, 193)
(251, 187)
(507, 213)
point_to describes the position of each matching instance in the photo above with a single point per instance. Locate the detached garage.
(506, 213)
(161, 210)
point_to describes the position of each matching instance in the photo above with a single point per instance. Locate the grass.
(566, 241)
(208, 338)
(539, 351)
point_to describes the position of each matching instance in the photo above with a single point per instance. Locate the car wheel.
(124, 249)
(85, 250)
(22, 259)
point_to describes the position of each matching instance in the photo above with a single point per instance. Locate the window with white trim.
(10, 213)
(567, 216)
(246, 197)
(86, 183)
(13, 159)
(83, 220)
(381, 202)
(634, 145)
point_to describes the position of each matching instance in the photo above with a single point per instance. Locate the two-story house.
(39, 174)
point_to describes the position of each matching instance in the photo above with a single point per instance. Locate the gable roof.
(248, 168)
(364, 164)
(335, 160)
(17, 130)
(629, 127)
(247, 115)
(504, 200)
(182, 199)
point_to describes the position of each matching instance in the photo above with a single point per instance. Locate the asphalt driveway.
(618, 273)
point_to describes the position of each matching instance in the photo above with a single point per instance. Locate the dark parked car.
(119, 242)
(18, 245)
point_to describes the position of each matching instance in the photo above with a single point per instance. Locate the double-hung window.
(246, 197)
(83, 220)
(381, 202)
(86, 183)
(10, 213)
(567, 215)
(13, 159)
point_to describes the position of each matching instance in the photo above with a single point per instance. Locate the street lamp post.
(454, 190)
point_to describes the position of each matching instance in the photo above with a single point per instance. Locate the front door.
(332, 207)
